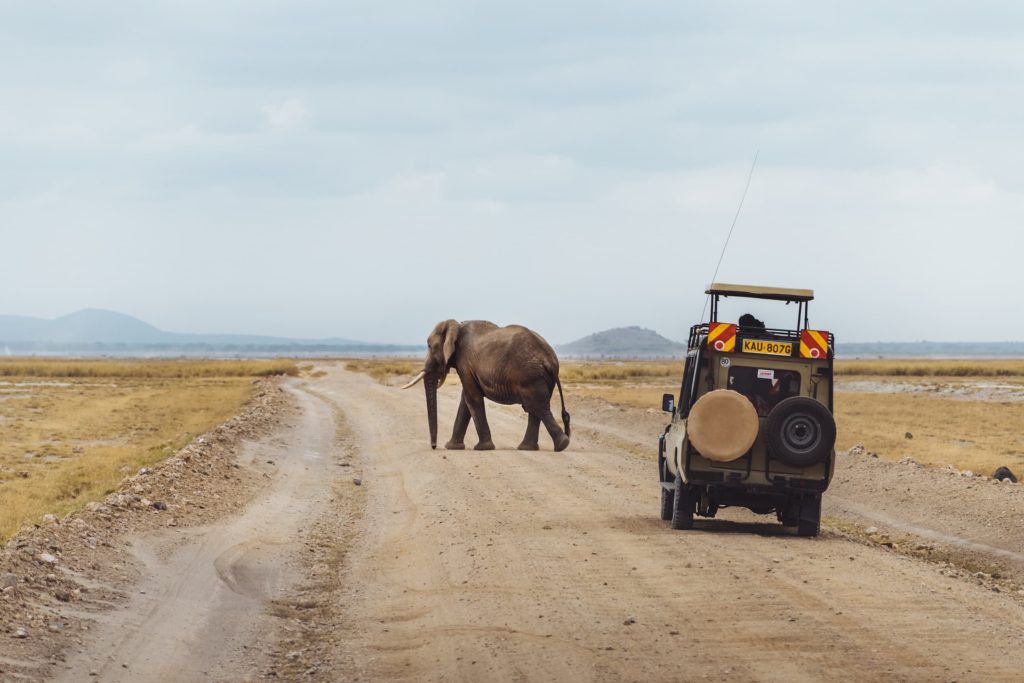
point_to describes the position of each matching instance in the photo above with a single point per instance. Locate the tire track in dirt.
(203, 600)
(539, 566)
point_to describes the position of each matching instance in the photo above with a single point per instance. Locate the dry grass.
(634, 396)
(70, 431)
(571, 372)
(162, 368)
(619, 371)
(384, 369)
(931, 368)
(975, 435)
(634, 384)
(645, 371)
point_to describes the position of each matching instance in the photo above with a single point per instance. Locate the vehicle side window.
(691, 376)
(765, 387)
(682, 403)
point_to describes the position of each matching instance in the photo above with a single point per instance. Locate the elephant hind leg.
(532, 432)
(558, 437)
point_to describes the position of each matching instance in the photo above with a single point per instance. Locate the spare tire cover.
(722, 425)
(800, 431)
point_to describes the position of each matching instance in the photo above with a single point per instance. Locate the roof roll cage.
(802, 297)
(758, 292)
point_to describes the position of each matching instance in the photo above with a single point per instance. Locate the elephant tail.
(565, 413)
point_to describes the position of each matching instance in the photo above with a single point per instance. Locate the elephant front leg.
(532, 432)
(458, 440)
(483, 430)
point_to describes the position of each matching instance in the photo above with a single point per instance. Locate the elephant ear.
(451, 335)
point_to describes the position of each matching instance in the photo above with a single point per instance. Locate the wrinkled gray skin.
(504, 364)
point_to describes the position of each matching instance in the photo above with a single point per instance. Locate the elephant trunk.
(430, 386)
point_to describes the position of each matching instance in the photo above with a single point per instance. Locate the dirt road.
(526, 566)
(201, 608)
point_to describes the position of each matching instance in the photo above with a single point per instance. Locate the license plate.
(771, 348)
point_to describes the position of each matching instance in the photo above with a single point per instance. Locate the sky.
(366, 169)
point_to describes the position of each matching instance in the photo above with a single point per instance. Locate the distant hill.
(623, 342)
(89, 325)
(96, 330)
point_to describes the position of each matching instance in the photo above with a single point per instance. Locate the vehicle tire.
(683, 506)
(800, 431)
(809, 523)
(668, 499)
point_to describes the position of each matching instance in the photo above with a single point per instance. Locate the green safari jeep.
(752, 426)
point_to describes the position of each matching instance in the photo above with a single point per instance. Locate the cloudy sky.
(365, 169)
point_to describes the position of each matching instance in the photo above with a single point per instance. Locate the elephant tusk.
(415, 379)
(440, 382)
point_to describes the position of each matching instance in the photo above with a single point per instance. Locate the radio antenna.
(731, 228)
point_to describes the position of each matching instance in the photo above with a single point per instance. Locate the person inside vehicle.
(764, 393)
(750, 322)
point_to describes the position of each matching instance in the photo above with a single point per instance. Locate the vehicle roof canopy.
(757, 292)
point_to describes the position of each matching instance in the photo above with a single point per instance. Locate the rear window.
(765, 387)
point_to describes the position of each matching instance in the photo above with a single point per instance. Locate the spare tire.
(800, 431)
(722, 425)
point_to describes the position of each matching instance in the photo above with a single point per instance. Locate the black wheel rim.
(801, 432)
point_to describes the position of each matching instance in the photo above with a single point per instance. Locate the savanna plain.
(281, 519)
(71, 430)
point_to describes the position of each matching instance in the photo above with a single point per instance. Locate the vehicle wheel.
(668, 498)
(800, 431)
(683, 506)
(809, 523)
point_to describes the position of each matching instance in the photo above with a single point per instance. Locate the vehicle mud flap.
(662, 468)
(683, 506)
(789, 513)
(809, 521)
(708, 501)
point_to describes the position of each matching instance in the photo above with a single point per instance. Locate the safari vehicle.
(752, 426)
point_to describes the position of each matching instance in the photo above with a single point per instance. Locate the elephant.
(508, 365)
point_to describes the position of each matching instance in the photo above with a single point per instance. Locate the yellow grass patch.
(634, 384)
(621, 371)
(630, 396)
(976, 435)
(931, 368)
(166, 368)
(70, 431)
(384, 369)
